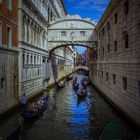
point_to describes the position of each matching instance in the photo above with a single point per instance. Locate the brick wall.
(9, 18)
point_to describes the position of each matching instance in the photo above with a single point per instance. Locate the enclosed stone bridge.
(71, 30)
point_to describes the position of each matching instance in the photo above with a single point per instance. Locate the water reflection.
(68, 118)
(79, 120)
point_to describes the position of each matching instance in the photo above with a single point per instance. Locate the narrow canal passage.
(68, 118)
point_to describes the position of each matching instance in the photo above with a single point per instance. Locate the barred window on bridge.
(63, 33)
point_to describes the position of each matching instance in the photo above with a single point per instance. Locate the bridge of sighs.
(71, 30)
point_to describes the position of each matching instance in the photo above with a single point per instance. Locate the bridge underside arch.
(73, 44)
(82, 68)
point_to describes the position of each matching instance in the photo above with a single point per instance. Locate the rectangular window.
(0, 1)
(108, 48)
(103, 31)
(9, 37)
(23, 57)
(138, 88)
(48, 14)
(124, 83)
(0, 34)
(126, 7)
(82, 33)
(99, 35)
(38, 59)
(103, 51)
(27, 59)
(34, 59)
(115, 45)
(63, 33)
(51, 16)
(98, 73)
(114, 79)
(9, 4)
(106, 76)
(102, 75)
(28, 33)
(115, 18)
(108, 26)
(31, 62)
(126, 41)
(2, 83)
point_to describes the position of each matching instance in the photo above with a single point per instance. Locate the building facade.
(116, 69)
(34, 18)
(8, 54)
(70, 56)
(63, 62)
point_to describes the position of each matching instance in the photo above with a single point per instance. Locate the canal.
(68, 118)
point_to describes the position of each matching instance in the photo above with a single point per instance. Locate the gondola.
(75, 86)
(27, 114)
(85, 82)
(82, 93)
(15, 134)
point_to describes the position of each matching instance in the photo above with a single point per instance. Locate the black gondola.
(82, 93)
(27, 114)
(15, 134)
(75, 85)
(85, 82)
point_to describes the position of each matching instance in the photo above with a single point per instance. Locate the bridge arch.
(66, 45)
(82, 68)
(71, 30)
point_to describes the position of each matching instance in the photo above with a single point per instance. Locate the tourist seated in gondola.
(24, 99)
(74, 83)
(82, 92)
(75, 79)
(32, 107)
(85, 83)
(40, 103)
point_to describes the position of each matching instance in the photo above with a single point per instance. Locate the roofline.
(70, 19)
(64, 7)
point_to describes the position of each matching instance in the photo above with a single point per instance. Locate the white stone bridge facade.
(71, 30)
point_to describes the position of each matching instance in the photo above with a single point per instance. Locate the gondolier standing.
(24, 101)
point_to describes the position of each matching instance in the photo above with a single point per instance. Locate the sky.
(92, 9)
(80, 49)
(87, 8)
